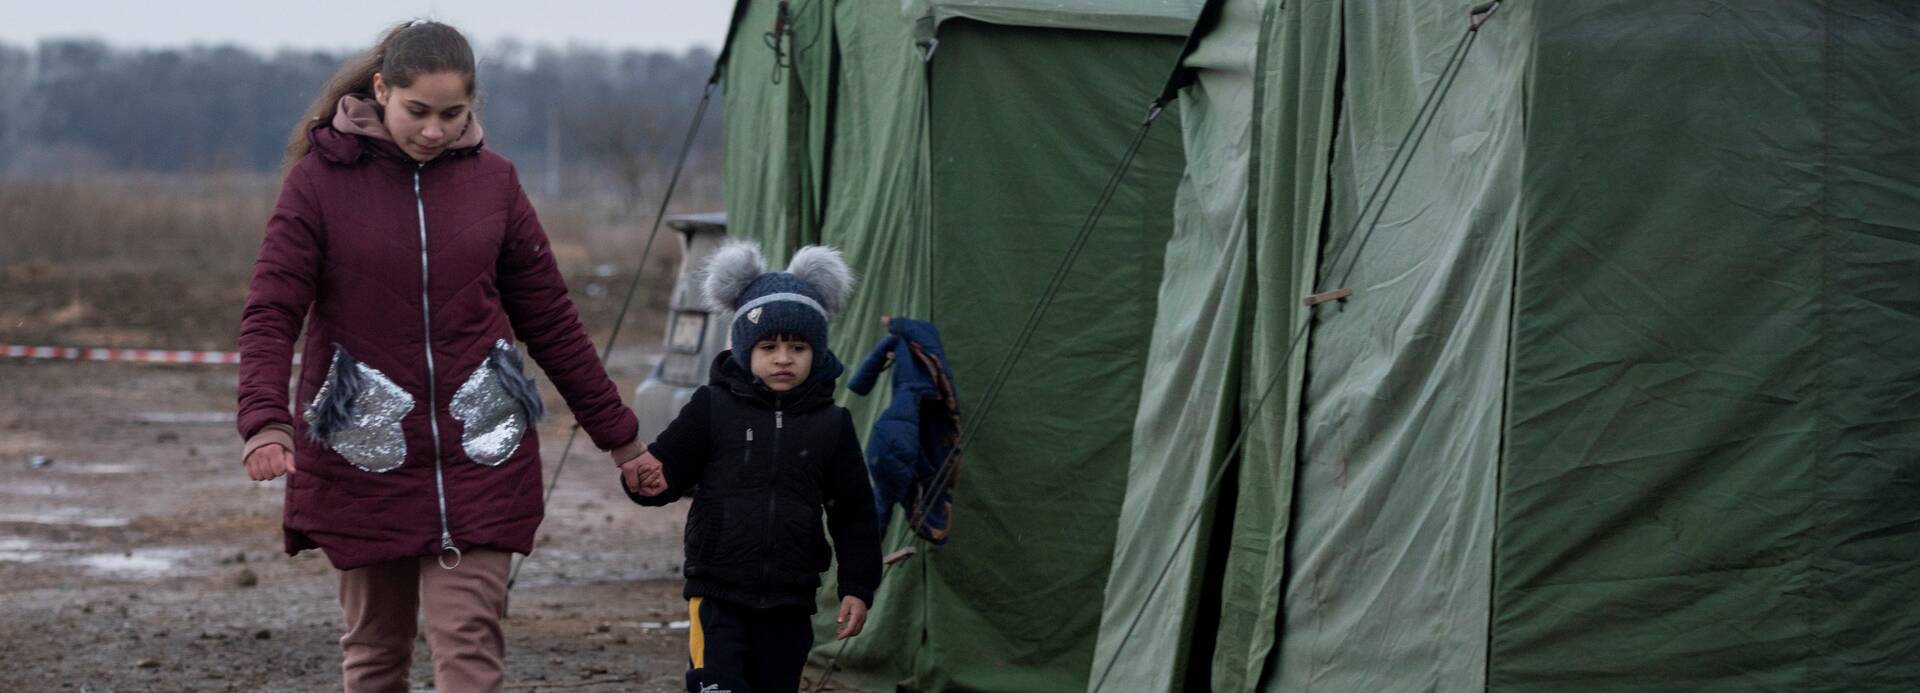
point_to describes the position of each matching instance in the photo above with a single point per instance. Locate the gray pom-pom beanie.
(799, 301)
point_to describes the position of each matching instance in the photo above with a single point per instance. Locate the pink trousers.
(382, 603)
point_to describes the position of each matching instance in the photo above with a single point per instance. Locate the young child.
(763, 450)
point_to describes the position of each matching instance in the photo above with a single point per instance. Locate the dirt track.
(141, 558)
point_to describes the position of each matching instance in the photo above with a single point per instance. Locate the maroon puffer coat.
(419, 278)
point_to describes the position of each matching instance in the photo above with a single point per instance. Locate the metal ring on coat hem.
(456, 557)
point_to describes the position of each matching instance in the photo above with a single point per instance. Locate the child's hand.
(853, 617)
(643, 475)
(653, 486)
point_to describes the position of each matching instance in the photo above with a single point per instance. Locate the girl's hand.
(269, 462)
(853, 617)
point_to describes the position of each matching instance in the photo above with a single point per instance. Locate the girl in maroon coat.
(411, 255)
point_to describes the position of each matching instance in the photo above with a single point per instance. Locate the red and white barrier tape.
(123, 355)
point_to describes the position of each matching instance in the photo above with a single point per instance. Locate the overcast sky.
(353, 24)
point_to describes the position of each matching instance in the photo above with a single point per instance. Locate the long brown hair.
(405, 51)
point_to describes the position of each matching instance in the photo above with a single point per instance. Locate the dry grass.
(162, 261)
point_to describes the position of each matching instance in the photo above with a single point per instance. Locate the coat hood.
(357, 130)
(817, 390)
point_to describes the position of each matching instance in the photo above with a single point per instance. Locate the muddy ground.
(135, 555)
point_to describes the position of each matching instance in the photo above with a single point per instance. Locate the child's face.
(782, 364)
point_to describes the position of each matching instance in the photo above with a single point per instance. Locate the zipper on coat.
(433, 404)
(773, 494)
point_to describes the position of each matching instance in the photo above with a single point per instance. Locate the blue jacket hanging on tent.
(917, 432)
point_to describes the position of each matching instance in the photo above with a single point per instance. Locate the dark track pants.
(741, 650)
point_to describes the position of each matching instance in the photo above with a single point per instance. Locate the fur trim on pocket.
(496, 406)
(357, 414)
(332, 408)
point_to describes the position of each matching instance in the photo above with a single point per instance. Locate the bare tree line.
(574, 119)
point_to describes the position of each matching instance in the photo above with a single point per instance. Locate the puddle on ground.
(673, 625)
(564, 566)
(21, 550)
(64, 516)
(99, 468)
(36, 487)
(138, 563)
(184, 417)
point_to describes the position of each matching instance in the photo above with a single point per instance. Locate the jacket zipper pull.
(778, 421)
(448, 550)
(749, 435)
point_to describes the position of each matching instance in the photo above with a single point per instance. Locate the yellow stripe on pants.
(697, 638)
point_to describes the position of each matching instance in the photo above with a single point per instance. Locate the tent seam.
(1322, 237)
(1506, 396)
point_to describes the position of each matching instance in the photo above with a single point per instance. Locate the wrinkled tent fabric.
(1642, 417)
(1626, 397)
(949, 217)
(1713, 460)
(775, 185)
(1414, 288)
(1188, 401)
(1389, 564)
(1295, 92)
(1013, 599)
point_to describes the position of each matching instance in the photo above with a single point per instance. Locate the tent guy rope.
(633, 288)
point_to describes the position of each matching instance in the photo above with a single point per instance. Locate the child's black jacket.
(761, 467)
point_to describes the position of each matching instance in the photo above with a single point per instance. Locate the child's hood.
(818, 388)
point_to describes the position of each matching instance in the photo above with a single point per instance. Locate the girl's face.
(782, 364)
(426, 116)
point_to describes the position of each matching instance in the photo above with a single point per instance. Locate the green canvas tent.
(1627, 393)
(952, 149)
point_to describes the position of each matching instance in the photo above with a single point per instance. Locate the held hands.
(853, 617)
(643, 475)
(269, 462)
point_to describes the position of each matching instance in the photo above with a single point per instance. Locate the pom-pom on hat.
(799, 301)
